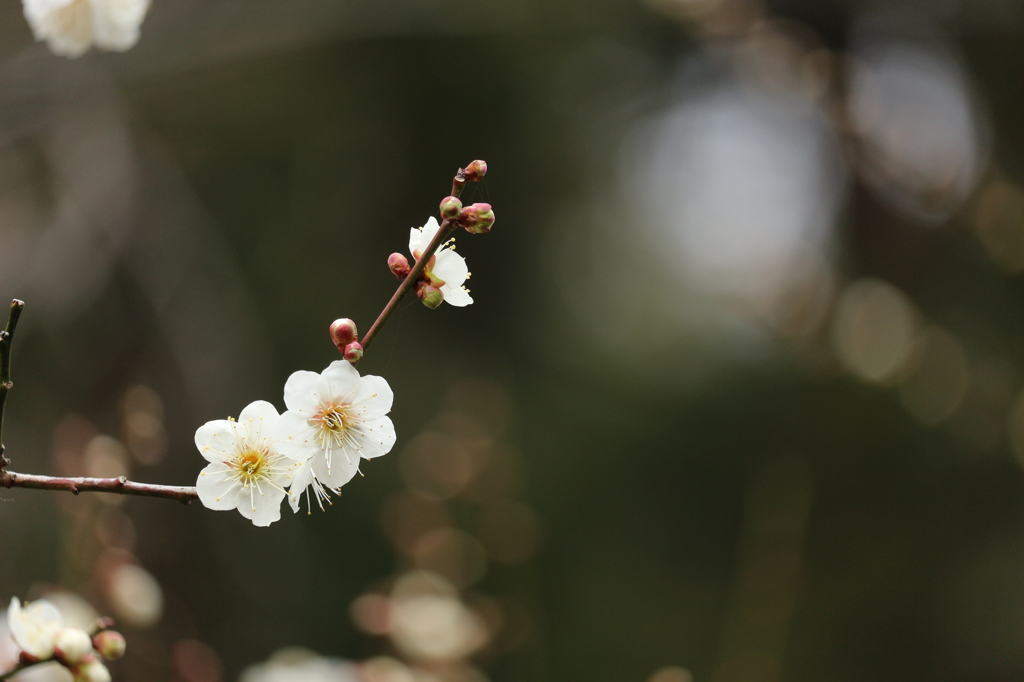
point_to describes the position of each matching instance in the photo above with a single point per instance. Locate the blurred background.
(740, 398)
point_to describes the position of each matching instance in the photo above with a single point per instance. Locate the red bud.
(399, 265)
(343, 332)
(474, 171)
(477, 218)
(450, 208)
(354, 352)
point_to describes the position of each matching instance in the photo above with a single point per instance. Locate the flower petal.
(216, 440)
(260, 418)
(295, 438)
(415, 241)
(451, 267)
(117, 22)
(456, 296)
(218, 487)
(300, 393)
(377, 438)
(419, 239)
(301, 480)
(338, 382)
(342, 468)
(261, 505)
(34, 626)
(374, 398)
(66, 26)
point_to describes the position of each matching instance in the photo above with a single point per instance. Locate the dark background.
(748, 327)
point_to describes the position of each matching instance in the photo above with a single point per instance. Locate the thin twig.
(6, 339)
(117, 486)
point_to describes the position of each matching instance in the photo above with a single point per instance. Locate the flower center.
(252, 465)
(334, 425)
(332, 419)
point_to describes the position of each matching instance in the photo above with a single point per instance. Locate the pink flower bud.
(354, 352)
(450, 208)
(109, 644)
(474, 171)
(343, 332)
(429, 294)
(477, 218)
(399, 265)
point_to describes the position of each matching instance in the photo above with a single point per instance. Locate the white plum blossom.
(448, 268)
(246, 471)
(70, 27)
(333, 419)
(295, 664)
(35, 626)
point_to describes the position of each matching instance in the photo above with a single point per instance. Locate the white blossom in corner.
(448, 267)
(246, 471)
(35, 626)
(70, 27)
(333, 419)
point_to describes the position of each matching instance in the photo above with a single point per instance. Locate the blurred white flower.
(333, 419)
(70, 27)
(246, 471)
(295, 664)
(34, 627)
(429, 622)
(447, 267)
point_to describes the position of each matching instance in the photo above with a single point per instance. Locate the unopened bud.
(477, 218)
(91, 671)
(110, 644)
(354, 352)
(475, 171)
(450, 208)
(399, 265)
(429, 294)
(72, 645)
(343, 332)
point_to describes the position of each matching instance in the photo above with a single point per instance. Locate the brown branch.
(6, 339)
(117, 486)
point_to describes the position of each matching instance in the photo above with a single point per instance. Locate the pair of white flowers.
(38, 630)
(70, 27)
(333, 420)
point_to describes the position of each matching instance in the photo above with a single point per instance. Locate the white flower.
(300, 665)
(34, 627)
(246, 471)
(448, 267)
(70, 27)
(333, 419)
